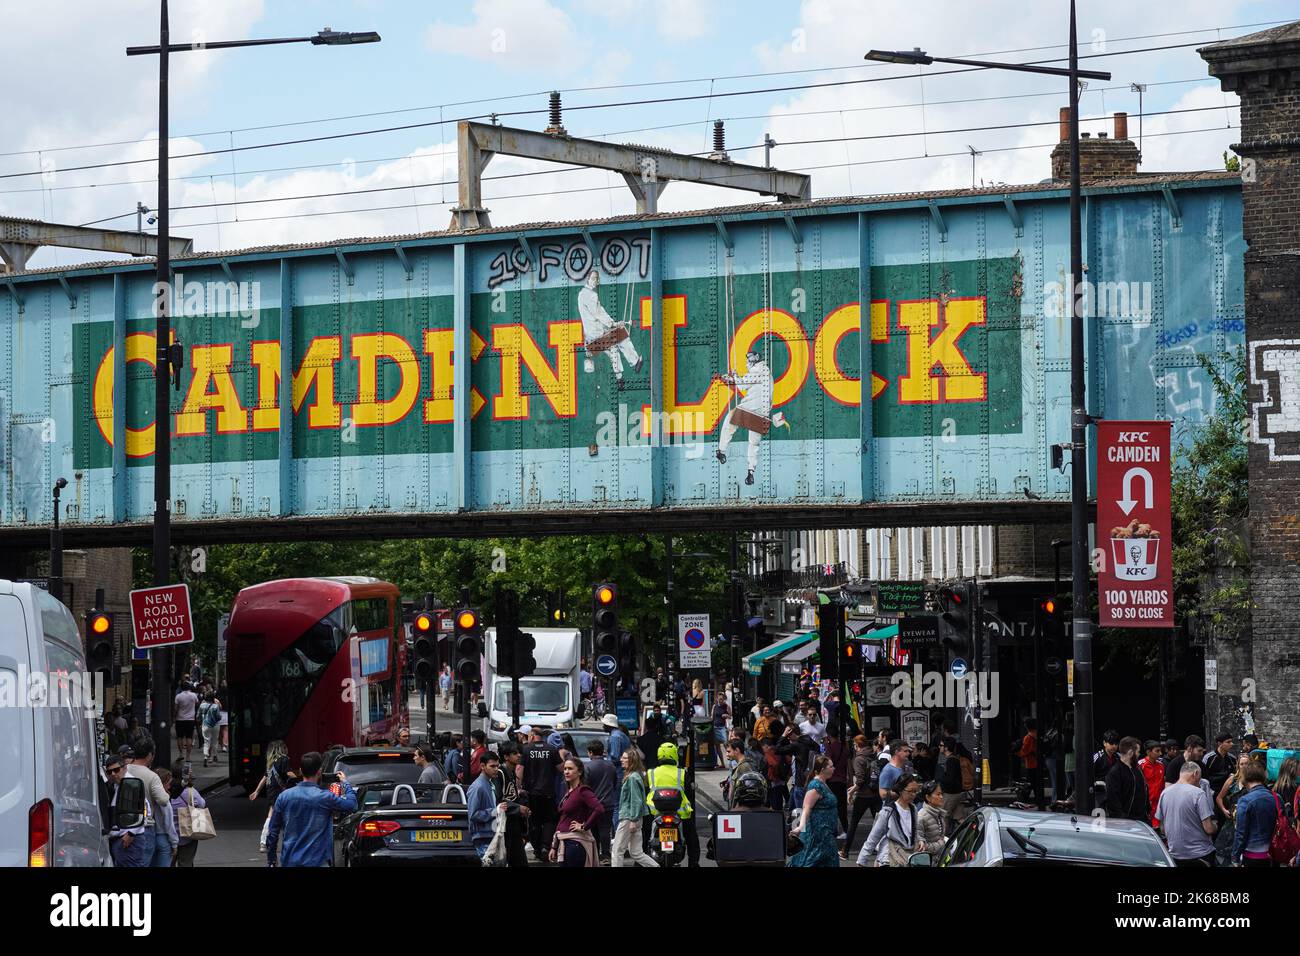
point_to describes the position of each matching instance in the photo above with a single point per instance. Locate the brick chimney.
(1098, 158)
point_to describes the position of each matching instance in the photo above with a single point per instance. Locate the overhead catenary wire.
(570, 169)
(641, 84)
(442, 153)
(586, 189)
(568, 109)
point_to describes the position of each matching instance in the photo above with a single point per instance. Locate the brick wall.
(1098, 158)
(1264, 70)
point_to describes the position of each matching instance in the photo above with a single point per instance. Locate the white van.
(49, 761)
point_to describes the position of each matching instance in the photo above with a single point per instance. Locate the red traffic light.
(100, 623)
(423, 622)
(606, 594)
(1047, 605)
(467, 620)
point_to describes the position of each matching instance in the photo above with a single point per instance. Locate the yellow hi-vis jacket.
(667, 775)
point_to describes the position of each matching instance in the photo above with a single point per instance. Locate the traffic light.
(100, 638)
(514, 648)
(626, 657)
(525, 662)
(604, 619)
(1049, 626)
(467, 636)
(830, 634)
(424, 625)
(851, 661)
(954, 601)
(555, 613)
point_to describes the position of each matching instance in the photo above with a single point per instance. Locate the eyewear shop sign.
(1133, 524)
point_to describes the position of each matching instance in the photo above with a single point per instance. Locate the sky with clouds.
(84, 103)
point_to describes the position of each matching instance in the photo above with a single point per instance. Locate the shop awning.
(754, 662)
(801, 653)
(879, 634)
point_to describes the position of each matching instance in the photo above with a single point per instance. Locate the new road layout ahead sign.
(1136, 582)
(161, 616)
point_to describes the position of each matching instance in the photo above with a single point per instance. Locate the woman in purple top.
(580, 811)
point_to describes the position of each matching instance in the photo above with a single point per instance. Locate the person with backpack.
(210, 721)
(276, 780)
(776, 767)
(896, 834)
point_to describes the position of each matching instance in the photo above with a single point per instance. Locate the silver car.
(997, 836)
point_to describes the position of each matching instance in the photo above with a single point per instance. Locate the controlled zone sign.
(160, 616)
(1136, 581)
(693, 640)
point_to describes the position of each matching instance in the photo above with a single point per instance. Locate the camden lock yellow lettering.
(937, 370)
(958, 383)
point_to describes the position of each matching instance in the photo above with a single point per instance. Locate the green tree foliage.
(1210, 505)
(535, 568)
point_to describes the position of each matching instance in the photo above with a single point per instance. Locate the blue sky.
(448, 53)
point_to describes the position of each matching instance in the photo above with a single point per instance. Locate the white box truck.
(549, 697)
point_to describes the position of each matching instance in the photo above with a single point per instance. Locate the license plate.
(667, 836)
(435, 836)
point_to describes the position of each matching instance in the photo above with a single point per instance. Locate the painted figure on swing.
(753, 412)
(601, 334)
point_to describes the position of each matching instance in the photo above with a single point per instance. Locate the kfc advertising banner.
(1135, 583)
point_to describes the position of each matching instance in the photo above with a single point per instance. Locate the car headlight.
(562, 725)
(498, 725)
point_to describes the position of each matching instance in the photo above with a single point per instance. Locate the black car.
(398, 821)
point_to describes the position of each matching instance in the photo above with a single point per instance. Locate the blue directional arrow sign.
(606, 665)
(958, 668)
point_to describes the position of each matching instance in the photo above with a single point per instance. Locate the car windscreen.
(1084, 845)
(537, 696)
(365, 768)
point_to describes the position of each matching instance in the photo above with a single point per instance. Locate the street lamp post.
(168, 357)
(56, 545)
(1082, 621)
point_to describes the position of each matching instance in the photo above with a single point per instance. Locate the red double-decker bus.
(314, 662)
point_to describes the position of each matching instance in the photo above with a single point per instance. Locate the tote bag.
(195, 823)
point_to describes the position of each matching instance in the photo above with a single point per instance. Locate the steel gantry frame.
(646, 170)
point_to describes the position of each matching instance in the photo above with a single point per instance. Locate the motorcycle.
(667, 841)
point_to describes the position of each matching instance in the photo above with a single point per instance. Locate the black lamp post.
(169, 356)
(1082, 621)
(56, 545)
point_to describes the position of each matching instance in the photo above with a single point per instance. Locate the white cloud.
(673, 19)
(516, 35)
(683, 19)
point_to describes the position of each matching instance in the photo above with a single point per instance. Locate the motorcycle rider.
(668, 775)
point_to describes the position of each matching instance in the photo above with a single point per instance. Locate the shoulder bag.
(194, 823)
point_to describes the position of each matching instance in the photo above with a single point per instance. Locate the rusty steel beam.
(19, 238)
(646, 169)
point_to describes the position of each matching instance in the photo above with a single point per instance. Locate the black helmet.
(750, 790)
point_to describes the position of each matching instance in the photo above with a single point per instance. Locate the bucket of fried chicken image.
(1135, 548)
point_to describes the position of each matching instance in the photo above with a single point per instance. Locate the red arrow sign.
(1136, 581)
